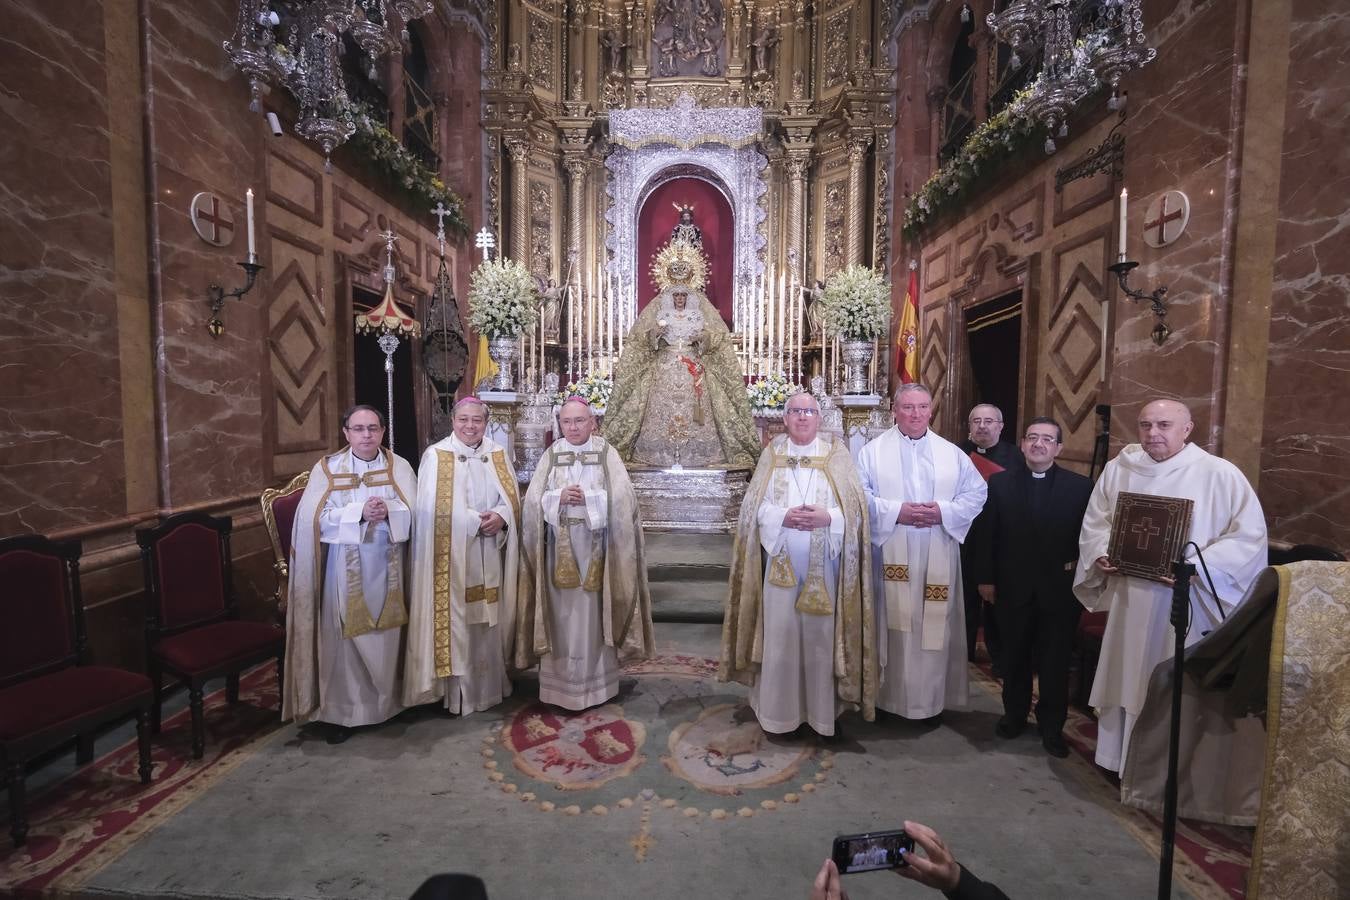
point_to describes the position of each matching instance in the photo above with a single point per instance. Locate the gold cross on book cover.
(1148, 534)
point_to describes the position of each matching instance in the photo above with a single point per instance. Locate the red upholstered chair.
(1088, 645)
(279, 506)
(193, 631)
(47, 697)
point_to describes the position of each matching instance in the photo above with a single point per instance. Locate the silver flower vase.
(504, 352)
(857, 356)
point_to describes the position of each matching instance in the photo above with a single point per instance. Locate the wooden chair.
(193, 631)
(279, 506)
(48, 697)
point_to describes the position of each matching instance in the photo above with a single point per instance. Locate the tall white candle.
(1124, 206)
(252, 241)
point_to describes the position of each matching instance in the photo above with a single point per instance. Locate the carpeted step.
(688, 557)
(688, 600)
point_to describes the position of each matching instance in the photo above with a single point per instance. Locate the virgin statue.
(678, 395)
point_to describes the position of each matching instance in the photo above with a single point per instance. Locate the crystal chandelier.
(296, 44)
(1086, 43)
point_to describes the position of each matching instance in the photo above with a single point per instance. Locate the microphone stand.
(1181, 607)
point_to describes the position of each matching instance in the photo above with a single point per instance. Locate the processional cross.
(440, 212)
(485, 242)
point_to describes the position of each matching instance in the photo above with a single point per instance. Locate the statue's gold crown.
(680, 264)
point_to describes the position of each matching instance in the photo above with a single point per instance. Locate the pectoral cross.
(485, 242)
(1146, 530)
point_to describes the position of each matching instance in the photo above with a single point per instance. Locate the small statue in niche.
(798, 85)
(665, 63)
(815, 311)
(614, 47)
(550, 307)
(712, 65)
(685, 229)
(764, 42)
(513, 57)
(578, 85)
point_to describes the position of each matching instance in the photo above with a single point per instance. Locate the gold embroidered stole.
(937, 580)
(394, 612)
(814, 598)
(442, 547)
(566, 572)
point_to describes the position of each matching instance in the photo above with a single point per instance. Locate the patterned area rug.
(682, 743)
(81, 823)
(1211, 860)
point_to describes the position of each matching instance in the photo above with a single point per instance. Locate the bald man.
(465, 560)
(584, 603)
(1226, 523)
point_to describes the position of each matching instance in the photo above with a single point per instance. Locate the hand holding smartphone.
(871, 851)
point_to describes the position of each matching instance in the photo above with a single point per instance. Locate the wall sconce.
(217, 295)
(1156, 299)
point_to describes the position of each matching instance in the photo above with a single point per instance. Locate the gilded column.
(520, 199)
(576, 170)
(857, 158)
(797, 164)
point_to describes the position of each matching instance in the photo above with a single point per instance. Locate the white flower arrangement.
(503, 299)
(856, 303)
(769, 395)
(595, 388)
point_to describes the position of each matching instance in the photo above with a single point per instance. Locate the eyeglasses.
(1041, 439)
(365, 429)
(805, 413)
(986, 421)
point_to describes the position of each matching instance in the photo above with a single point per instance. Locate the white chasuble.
(1227, 523)
(917, 570)
(582, 669)
(464, 582)
(796, 681)
(362, 610)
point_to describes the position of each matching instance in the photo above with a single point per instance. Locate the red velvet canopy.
(712, 214)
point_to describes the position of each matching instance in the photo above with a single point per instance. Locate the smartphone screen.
(871, 851)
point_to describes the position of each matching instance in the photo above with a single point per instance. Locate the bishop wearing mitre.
(465, 562)
(584, 601)
(799, 621)
(346, 609)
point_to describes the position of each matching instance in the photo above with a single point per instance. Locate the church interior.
(229, 221)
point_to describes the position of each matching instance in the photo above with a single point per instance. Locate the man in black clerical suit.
(1024, 564)
(990, 455)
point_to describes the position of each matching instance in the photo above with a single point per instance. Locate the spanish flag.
(907, 333)
(484, 366)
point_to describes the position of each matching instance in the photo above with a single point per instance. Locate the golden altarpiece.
(767, 126)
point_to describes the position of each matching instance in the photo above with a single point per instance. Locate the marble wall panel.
(204, 137)
(61, 459)
(1181, 134)
(1305, 460)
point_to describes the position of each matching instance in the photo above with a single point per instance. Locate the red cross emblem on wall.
(1166, 218)
(212, 219)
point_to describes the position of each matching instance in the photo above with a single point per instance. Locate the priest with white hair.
(923, 493)
(585, 607)
(1226, 523)
(465, 560)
